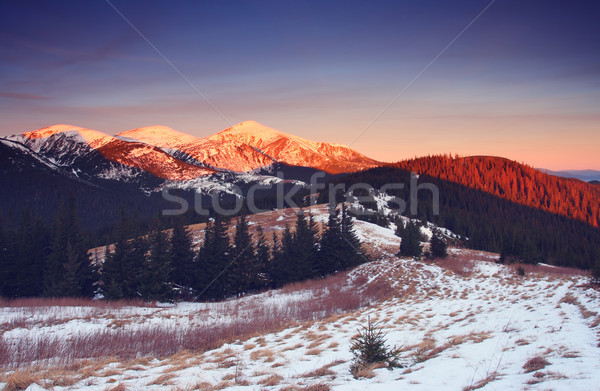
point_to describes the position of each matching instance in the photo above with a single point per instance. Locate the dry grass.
(367, 371)
(320, 372)
(163, 380)
(313, 387)
(20, 380)
(314, 352)
(535, 363)
(293, 347)
(268, 355)
(461, 264)
(483, 382)
(271, 381)
(318, 387)
(554, 271)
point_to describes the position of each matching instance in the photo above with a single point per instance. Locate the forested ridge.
(491, 223)
(515, 182)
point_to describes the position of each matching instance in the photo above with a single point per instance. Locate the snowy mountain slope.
(179, 158)
(95, 154)
(462, 323)
(250, 145)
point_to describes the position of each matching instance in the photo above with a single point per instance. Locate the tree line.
(166, 266)
(53, 260)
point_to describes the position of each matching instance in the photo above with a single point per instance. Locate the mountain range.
(38, 168)
(171, 155)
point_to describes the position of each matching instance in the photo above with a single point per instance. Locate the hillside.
(449, 319)
(515, 182)
(485, 221)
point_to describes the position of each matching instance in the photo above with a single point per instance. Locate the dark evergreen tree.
(439, 248)
(283, 252)
(119, 276)
(68, 246)
(134, 266)
(214, 259)
(243, 268)
(410, 245)
(157, 283)
(111, 285)
(331, 252)
(182, 256)
(262, 262)
(354, 254)
(275, 263)
(303, 251)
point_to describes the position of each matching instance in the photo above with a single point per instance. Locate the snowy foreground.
(465, 323)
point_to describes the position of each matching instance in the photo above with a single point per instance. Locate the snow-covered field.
(481, 326)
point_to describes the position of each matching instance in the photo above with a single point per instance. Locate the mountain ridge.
(244, 147)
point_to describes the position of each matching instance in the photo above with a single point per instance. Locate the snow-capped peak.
(93, 138)
(157, 135)
(250, 132)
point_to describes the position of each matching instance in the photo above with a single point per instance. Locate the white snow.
(475, 329)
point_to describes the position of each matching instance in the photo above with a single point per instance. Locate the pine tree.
(157, 283)
(439, 248)
(262, 262)
(283, 252)
(303, 249)
(68, 238)
(214, 259)
(370, 347)
(182, 257)
(111, 278)
(275, 264)
(119, 278)
(410, 245)
(243, 266)
(331, 253)
(134, 266)
(354, 254)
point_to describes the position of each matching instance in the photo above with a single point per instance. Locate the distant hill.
(515, 182)
(584, 175)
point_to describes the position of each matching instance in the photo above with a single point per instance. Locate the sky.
(522, 81)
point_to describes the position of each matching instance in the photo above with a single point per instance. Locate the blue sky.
(522, 82)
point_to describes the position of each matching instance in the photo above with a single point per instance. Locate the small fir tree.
(370, 347)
